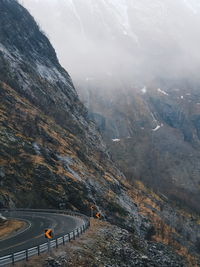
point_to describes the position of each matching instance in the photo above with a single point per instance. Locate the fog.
(122, 41)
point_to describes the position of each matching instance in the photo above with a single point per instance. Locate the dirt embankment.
(10, 227)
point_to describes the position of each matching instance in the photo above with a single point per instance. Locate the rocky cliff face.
(153, 134)
(50, 151)
(52, 155)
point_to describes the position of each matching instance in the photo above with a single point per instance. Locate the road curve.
(33, 235)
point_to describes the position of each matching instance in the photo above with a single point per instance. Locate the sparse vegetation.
(9, 227)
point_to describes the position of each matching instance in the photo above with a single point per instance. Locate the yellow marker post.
(98, 215)
(48, 233)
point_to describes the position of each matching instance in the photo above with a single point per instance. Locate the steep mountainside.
(52, 154)
(49, 148)
(153, 134)
(130, 48)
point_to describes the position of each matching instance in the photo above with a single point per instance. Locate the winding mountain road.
(33, 234)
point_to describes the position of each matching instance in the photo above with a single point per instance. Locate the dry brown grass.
(164, 233)
(9, 227)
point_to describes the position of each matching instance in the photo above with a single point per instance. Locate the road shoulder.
(10, 227)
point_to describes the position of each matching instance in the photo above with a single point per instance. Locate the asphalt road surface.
(33, 234)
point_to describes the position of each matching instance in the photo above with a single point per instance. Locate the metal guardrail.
(37, 250)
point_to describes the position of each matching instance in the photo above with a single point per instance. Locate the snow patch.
(2, 217)
(157, 127)
(144, 90)
(162, 92)
(74, 10)
(120, 10)
(191, 6)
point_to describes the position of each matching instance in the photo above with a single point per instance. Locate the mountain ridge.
(51, 152)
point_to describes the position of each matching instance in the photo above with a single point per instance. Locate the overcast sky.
(122, 40)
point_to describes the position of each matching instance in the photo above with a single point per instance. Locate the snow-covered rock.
(116, 140)
(161, 91)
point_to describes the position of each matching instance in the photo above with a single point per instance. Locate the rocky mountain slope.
(49, 148)
(137, 74)
(51, 152)
(153, 134)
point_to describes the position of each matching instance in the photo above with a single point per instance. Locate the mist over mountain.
(52, 154)
(132, 41)
(135, 65)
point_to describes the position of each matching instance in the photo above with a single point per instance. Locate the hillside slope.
(153, 134)
(49, 148)
(52, 154)
(137, 72)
